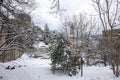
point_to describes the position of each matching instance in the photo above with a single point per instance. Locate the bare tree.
(15, 25)
(18, 36)
(109, 13)
(83, 27)
(56, 7)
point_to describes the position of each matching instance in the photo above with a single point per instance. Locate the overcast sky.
(41, 14)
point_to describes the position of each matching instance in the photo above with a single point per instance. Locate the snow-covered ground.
(27, 68)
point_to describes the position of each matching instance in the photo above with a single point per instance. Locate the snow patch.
(39, 45)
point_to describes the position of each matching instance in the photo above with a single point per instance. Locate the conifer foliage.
(63, 59)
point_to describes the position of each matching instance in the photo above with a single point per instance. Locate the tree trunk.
(117, 70)
(111, 50)
(105, 60)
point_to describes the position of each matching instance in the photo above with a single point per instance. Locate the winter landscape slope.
(27, 68)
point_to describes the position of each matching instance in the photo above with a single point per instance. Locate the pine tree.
(63, 59)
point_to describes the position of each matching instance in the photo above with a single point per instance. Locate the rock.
(12, 68)
(7, 67)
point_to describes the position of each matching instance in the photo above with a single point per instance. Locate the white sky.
(41, 14)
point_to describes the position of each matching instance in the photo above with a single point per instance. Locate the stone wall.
(10, 55)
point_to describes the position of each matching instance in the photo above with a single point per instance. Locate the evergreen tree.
(63, 59)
